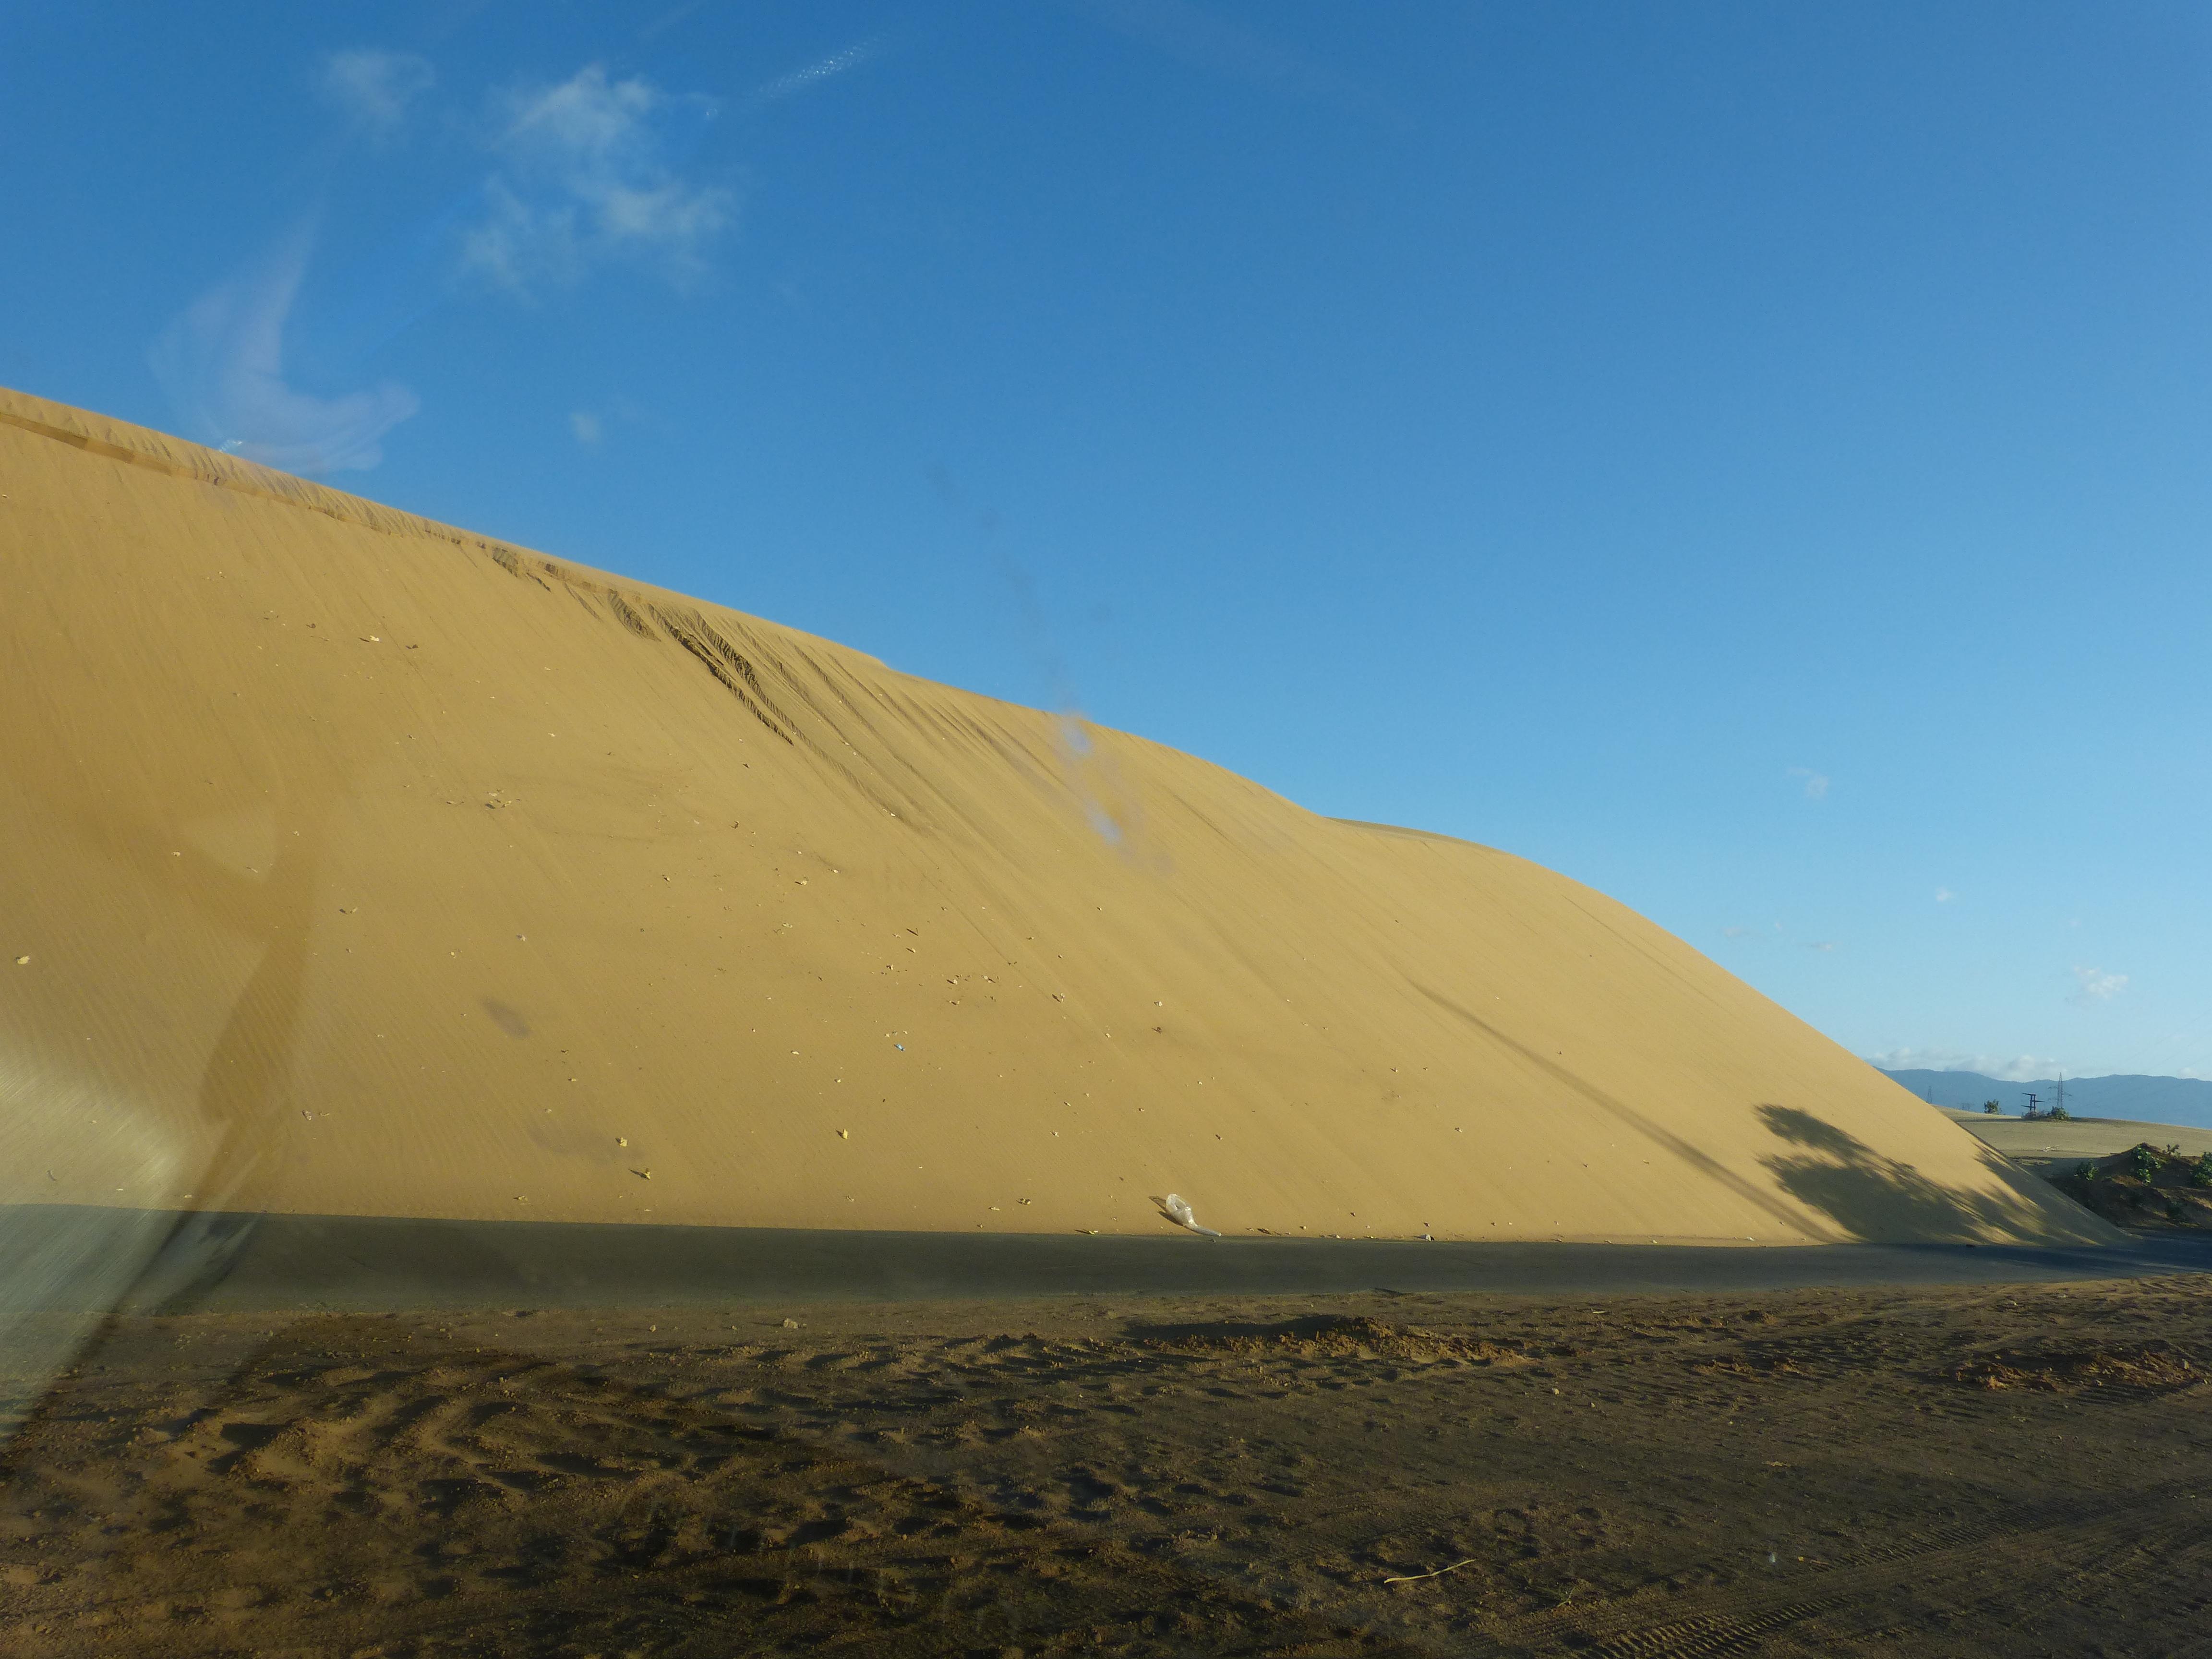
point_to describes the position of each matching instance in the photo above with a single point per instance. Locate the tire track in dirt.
(1004, 1579)
(2065, 1539)
(1199, 1484)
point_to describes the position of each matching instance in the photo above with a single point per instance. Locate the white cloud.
(1821, 944)
(588, 176)
(585, 426)
(2094, 985)
(1734, 932)
(1816, 784)
(222, 365)
(1944, 896)
(2017, 1069)
(373, 88)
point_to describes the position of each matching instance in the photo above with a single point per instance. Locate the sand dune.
(366, 867)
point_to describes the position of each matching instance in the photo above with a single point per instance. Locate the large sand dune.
(370, 868)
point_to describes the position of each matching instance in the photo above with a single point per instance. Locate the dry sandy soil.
(2040, 1143)
(1999, 1472)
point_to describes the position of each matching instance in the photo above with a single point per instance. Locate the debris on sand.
(1179, 1211)
(1415, 1578)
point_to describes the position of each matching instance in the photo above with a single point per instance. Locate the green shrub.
(1992, 1108)
(2060, 1115)
(2146, 1164)
(2200, 1173)
(2085, 1173)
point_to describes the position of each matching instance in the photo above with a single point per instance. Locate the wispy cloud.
(2093, 985)
(373, 89)
(1819, 944)
(221, 363)
(1816, 783)
(589, 426)
(669, 20)
(814, 75)
(2014, 1068)
(1944, 896)
(1200, 38)
(1735, 933)
(588, 174)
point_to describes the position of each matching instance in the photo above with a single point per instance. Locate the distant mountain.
(2187, 1101)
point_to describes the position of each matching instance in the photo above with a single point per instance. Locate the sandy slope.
(366, 867)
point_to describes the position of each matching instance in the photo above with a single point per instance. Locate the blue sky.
(1750, 458)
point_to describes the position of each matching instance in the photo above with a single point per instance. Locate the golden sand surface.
(354, 865)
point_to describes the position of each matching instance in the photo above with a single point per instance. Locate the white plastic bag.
(1179, 1209)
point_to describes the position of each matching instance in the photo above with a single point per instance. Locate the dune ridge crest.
(367, 867)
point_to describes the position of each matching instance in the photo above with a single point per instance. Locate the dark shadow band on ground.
(257, 1263)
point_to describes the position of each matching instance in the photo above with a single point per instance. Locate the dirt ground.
(1971, 1471)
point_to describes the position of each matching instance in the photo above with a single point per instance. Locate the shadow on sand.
(1871, 1196)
